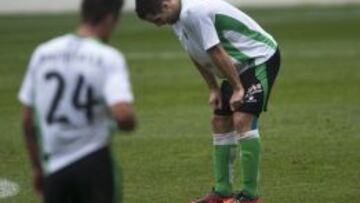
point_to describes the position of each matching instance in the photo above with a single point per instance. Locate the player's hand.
(215, 98)
(38, 181)
(237, 99)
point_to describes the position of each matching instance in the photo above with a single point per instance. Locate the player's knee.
(243, 122)
(221, 123)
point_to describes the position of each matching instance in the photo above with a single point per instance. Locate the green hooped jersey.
(206, 23)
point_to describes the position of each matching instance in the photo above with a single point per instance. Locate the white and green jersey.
(70, 83)
(206, 23)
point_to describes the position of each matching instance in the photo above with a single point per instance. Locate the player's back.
(206, 23)
(70, 75)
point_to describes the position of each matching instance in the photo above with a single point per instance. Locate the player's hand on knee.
(237, 99)
(215, 99)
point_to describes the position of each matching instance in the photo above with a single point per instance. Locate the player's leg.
(250, 147)
(224, 151)
(258, 83)
(225, 143)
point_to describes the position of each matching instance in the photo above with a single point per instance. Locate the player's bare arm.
(226, 66)
(124, 115)
(215, 95)
(32, 147)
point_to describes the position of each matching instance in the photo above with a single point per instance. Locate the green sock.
(224, 157)
(250, 163)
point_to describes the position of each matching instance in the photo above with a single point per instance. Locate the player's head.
(101, 13)
(159, 12)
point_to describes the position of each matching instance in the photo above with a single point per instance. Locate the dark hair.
(93, 11)
(146, 7)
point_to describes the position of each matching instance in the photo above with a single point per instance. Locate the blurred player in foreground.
(75, 87)
(226, 44)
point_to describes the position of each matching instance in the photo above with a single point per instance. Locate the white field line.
(8, 188)
(173, 55)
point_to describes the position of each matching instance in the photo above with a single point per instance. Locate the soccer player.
(74, 91)
(225, 43)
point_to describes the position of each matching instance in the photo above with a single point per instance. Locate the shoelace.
(241, 196)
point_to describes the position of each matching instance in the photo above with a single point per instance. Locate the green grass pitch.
(311, 136)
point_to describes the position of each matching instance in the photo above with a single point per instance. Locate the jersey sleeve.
(117, 86)
(26, 93)
(202, 26)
